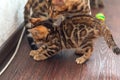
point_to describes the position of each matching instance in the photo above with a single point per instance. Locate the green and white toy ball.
(100, 16)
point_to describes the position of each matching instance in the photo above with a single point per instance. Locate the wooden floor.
(103, 64)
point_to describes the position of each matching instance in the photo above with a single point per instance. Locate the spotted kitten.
(77, 32)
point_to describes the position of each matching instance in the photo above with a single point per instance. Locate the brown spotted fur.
(41, 8)
(45, 9)
(35, 9)
(77, 32)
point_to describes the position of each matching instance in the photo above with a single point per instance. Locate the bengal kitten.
(43, 9)
(77, 32)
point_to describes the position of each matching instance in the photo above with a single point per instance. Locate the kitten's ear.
(35, 20)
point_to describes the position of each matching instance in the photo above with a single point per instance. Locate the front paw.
(80, 60)
(33, 53)
(40, 57)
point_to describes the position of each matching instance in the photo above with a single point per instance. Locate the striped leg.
(44, 52)
(86, 51)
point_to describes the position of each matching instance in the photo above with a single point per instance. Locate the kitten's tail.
(109, 39)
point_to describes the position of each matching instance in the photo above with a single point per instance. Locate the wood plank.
(8, 47)
(103, 64)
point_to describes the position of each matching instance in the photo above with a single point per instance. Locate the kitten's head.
(39, 33)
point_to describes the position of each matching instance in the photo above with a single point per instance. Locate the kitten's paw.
(33, 53)
(39, 57)
(80, 60)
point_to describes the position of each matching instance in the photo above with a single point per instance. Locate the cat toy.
(100, 16)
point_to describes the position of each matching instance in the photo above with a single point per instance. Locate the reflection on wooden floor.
(103, 64)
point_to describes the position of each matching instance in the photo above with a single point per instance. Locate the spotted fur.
(35, 9)
(43, 9)
(77, 31)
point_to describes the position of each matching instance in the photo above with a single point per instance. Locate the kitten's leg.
(45, 52)
(86, 50)
(36, 52)
(79, 51)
